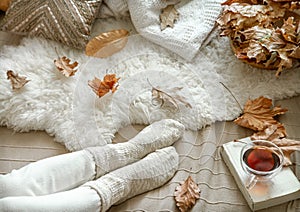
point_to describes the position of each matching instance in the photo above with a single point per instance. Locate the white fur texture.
(68, 109)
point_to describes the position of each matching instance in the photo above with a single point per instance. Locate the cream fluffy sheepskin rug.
(68, 109)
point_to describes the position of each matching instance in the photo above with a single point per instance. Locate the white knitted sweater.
(196, 21)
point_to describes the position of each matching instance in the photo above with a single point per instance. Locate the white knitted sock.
(155, 136)
(149, 173)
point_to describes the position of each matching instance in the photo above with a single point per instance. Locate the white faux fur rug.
(68, 109)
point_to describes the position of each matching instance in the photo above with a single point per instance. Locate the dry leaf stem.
(232, 95)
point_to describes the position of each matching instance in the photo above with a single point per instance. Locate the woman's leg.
(79, 199)
(149, 173)
(50, 175)
(64, 172)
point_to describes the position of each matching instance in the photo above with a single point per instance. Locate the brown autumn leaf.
(270, 133)
(288, 30)
(102, 87)
(229, 2)
(64, 65)
(287, 155)
(288, 146)
(256, 51)
(295, 5)
(264, 34)
(240, 17)
(296, 52)
(17, 81)
(169, 98)
(107, 43)
(168, 16)
(258, 114)
(186, 194)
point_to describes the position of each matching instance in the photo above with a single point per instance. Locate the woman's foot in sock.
(151, 172)
(155, 136)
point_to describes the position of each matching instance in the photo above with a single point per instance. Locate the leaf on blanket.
(107, 43)
(168, 17)
(258, 115)
(17, 81)
(101, 88)
(64, 65)
(186, 194)
(168, 99)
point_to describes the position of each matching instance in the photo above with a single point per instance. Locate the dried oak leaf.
(296, 53)
(258, 114)
(268, 43)
(239, 14)
(108, 84)
(239, 17)
(186, 194)
(17, 81)
(107, 43)
(64, 65)
(298, 33)
(270, 133)
(288, 30)
(168, 98)
(256, 51)
(295, 5)
(265, 33)
(229, 2)
(288, 146)
(168, 16)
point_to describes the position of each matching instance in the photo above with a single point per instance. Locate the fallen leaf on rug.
(288, 146)
(101, 88)
(64, 65)
(107, 43)
(258, 115)
(169, 98)
(186, 194)
(17, 81)
(168, 17)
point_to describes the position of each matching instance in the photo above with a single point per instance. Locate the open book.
(283, 187)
